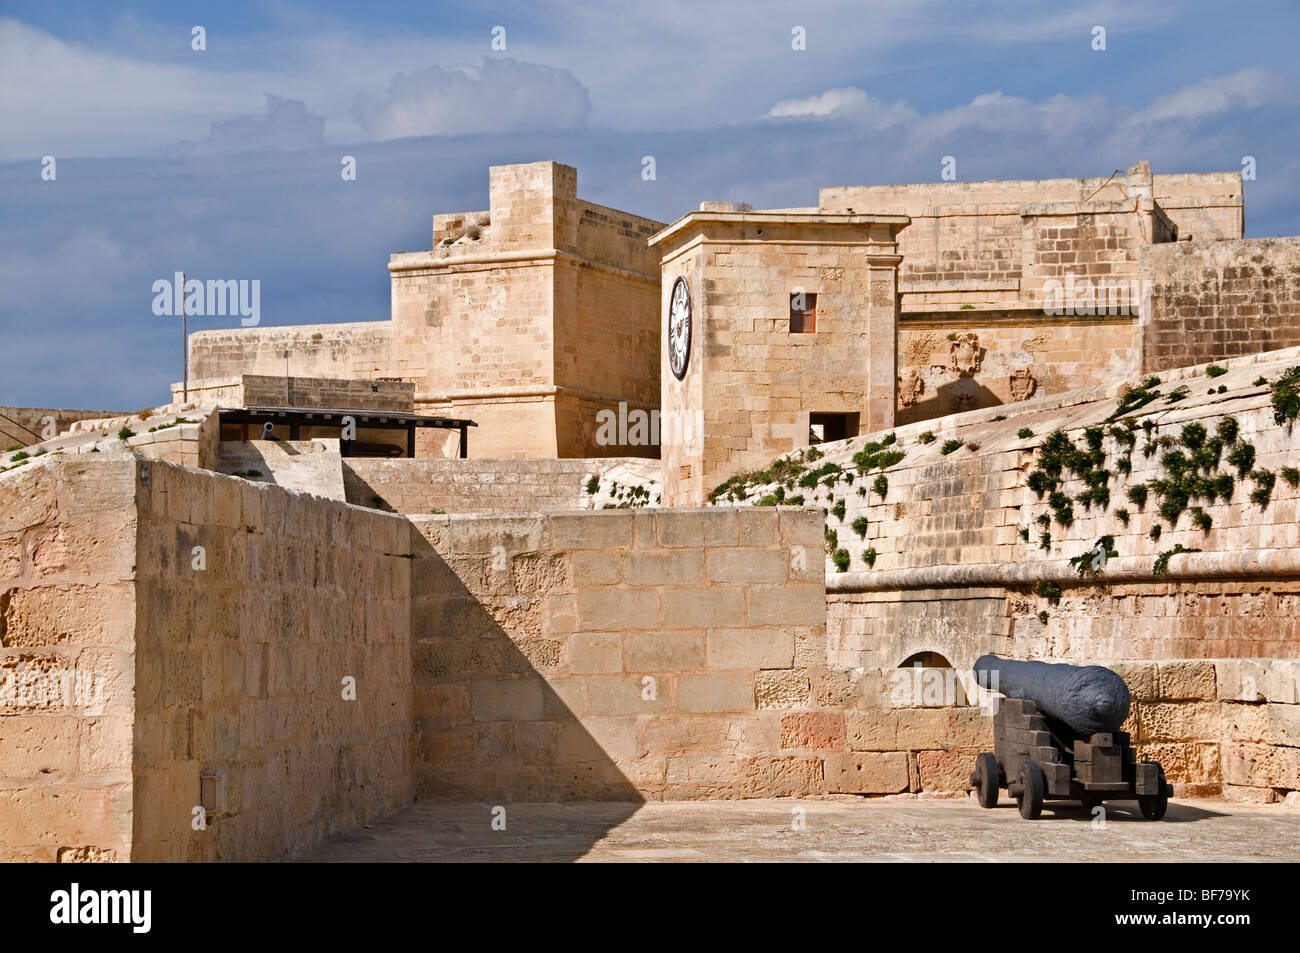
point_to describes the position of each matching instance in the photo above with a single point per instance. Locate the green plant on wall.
(1048, 590)
(1242, 458)
(1161, 565)
(1264, 483)
(1285, 397)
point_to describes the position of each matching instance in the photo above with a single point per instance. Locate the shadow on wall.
(951, 397)
(488, 725)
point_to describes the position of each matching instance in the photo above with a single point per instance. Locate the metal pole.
(185, 346)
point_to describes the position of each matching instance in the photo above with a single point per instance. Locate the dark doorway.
(823, 428)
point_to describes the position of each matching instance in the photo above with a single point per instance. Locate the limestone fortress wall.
(752, 614)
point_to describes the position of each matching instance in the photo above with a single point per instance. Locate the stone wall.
(25, 426)
(256, 390)
(751, 383)
(305, 466)
(627, 655)
(360, 349)
(490, 486)
(545, 305)
(232, 658)
(67, 660)
(1220, 727)
(966, 239)
(1212, 300)
(1021, 354)
(242, 666)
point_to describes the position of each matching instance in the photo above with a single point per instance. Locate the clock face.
(679, 328)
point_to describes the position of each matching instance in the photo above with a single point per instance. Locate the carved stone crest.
(966, 354)
(910, 386)
(1023, 384)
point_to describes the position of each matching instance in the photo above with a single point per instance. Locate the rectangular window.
(823, 428)
(803, 313)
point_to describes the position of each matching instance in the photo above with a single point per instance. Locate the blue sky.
(225, 162)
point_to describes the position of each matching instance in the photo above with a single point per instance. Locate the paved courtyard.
(849, 829)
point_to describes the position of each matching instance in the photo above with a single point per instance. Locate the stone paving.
(895, 829)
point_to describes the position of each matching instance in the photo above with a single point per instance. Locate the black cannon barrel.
(1088, 698)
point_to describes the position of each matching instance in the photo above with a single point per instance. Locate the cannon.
(1056, 735)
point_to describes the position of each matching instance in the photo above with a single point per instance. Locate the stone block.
(715, 692)
(781, 688)
(591, 652)
(1189, 679)
(1141, 678)
(606, 529)
(789, 604)
(1173, 721)
(947, 770)
(627, 695)
(781, 777)
(619, 609)
(595, 568)
(506, 699)
(750, 649)
(663, 651)
(747, 566)
(866, 773)
(702, 607)
(813, 730)
(660, 568)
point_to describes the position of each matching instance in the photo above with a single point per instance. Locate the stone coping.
(1183, 567)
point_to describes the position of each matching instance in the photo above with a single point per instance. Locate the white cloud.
(833, 100)
(502, 95)
(287, 125)
(1245, 89)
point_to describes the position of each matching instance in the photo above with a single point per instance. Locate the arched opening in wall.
(925, 660)
(927, 680)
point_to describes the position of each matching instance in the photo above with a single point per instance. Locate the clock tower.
(779, 328)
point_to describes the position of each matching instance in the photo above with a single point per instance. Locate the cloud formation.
(501, 95)
(286, 125)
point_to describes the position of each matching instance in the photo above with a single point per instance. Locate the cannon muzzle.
(1087, 698)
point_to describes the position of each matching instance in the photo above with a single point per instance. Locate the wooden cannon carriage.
(1037, 756)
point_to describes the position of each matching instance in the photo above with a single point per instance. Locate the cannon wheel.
(986, 779)
(1030, 798)
(1153, 806)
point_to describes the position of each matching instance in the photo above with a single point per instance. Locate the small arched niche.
(928, 680)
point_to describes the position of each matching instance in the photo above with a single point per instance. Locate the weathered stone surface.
(866, 773)
(820, 730)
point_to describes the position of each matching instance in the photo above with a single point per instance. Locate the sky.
(225, 162)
